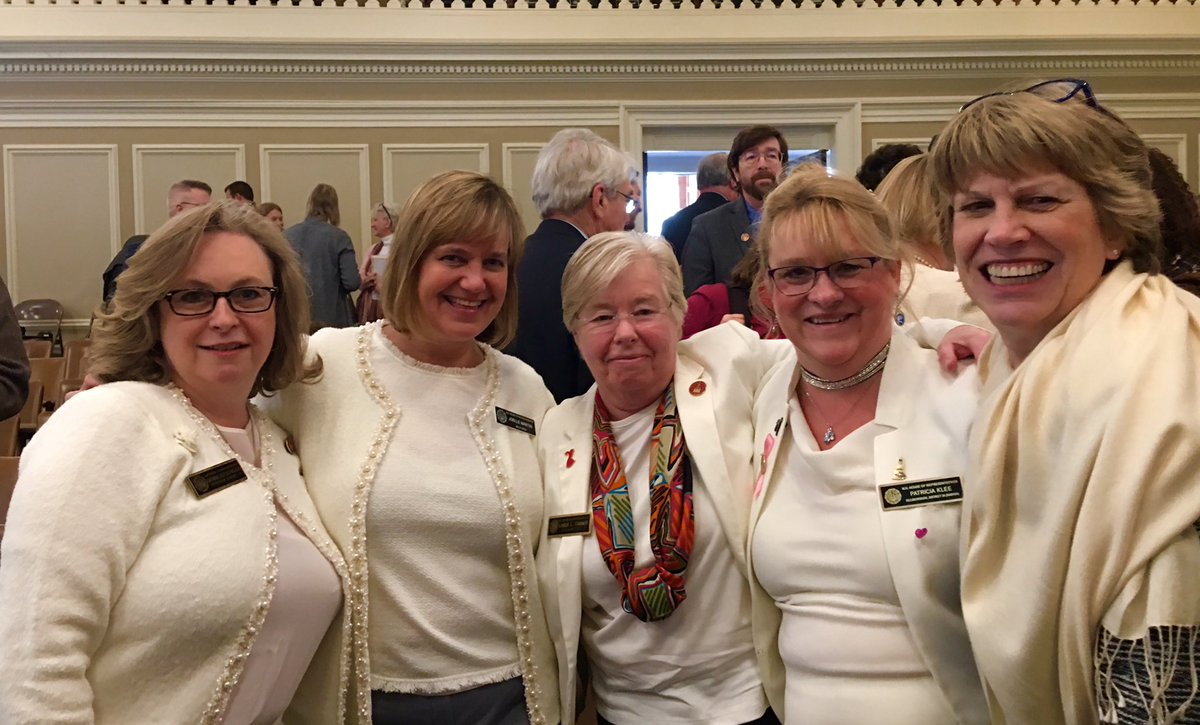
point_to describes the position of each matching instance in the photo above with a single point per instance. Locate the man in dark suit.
(716, 188)
(183, 195)
(721, 237)
(582, 185)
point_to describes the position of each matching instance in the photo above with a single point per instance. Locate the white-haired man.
(582, 185)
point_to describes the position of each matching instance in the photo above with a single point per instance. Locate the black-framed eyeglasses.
(194, 302)
(1060, 90)
(798, 279)
(631, 202)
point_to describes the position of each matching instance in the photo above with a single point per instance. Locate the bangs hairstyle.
(1015, 136)
(127, 341)
(454, 206)
(604, 256)
(823, 208)
(907, 195)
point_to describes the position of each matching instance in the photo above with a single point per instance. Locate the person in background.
(383, 226)
(631, 216)
(721, 237)
(715, 188)
(163, 561)
(14, 363)
(1081, 560)
(582, 185)
(930, 285)
(418, 445)
(241, 192)
(853, 557)
(183, 195)
(272, 212)
(880, 162)
(327, 257)
(1180, 225)
(713, 304)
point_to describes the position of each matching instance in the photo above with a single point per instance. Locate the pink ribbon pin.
(768, 446)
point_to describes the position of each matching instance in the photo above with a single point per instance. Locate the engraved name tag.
(920, 493)
(570, 525)
(214, 478)
(516, 421)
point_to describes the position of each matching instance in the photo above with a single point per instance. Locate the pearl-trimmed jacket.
(125, 597)
(343, 425)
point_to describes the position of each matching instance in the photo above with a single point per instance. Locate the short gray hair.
(604, 256)
(570, 166)
(713, 171)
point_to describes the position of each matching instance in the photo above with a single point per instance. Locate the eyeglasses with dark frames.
(1060, 90)
(195, 302)
(391, 219)
(799, 279)
(631, 202)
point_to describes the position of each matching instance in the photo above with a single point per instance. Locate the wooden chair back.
(8, 482)
(38, 348)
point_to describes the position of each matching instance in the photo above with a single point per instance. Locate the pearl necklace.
(871, 369)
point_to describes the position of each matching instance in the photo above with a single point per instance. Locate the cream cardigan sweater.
(125, 598)
(343, 425)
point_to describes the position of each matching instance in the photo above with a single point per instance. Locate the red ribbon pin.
(570, 458)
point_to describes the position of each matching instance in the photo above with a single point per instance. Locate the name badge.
(214, 478)
(570, 525)
(920, 493)
(516, 421)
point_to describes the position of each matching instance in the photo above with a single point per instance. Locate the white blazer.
(929, 415)
(716, 375)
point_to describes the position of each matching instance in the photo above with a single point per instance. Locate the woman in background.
(930, 284)
(712, 304)
(163, 561)
(327, 256)
(383, 226)
(272, 212)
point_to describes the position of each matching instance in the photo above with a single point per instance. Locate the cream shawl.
(1085, 487)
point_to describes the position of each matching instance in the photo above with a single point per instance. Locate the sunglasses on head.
(1058, 91)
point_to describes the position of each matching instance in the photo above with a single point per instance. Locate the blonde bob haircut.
(127, 342)
(1018, 135)
(824, 208)
(454, 206)
(604, 257)
(907, 195)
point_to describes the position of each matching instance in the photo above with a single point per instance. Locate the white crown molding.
(10, 152)
(71, 113)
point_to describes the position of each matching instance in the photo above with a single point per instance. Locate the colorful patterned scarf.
(652, 593)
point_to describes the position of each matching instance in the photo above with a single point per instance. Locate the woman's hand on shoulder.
(965, 342)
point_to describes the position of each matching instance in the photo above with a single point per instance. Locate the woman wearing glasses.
(162, 561)
(854, 526)
(648, 481)
(1081, 569)
(383, 226)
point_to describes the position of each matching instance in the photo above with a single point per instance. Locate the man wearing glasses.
(721, 237)
(183, 195)
(582, 185)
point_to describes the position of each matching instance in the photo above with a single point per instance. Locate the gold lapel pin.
(898, 473)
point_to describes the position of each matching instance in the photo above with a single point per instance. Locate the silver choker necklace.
(869, 371)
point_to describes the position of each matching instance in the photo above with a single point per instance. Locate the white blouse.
(308, 595)
(441, 605)
(696, 666)
(818, 551)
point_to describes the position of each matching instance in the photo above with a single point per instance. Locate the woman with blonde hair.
(930, 284)
(418, 446)
(860, 437)
(1081, 568)
(163, 561)
(327, 257)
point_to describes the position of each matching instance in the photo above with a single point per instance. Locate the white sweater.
(125, 598)
(344, 427)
